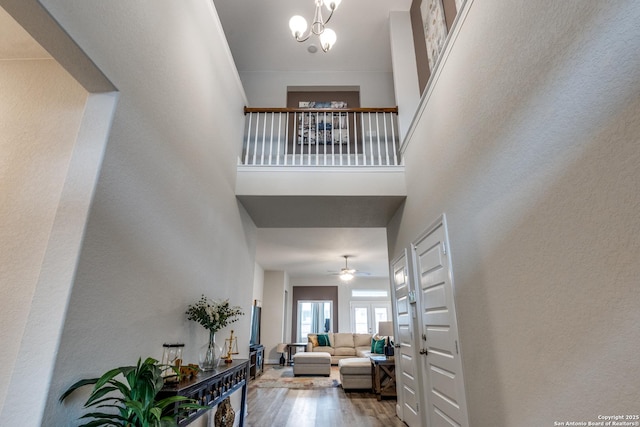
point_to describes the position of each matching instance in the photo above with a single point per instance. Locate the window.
(365, 316)
(313, 317)
(370, 293)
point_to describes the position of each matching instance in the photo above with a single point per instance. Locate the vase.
(210, 354)
(225, 415)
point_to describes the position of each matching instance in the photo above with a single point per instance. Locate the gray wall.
(165, 226)
(529, 144)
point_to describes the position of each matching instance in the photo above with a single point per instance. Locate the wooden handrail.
(321, 110)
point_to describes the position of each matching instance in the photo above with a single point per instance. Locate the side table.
(294, 346)
(383, 376)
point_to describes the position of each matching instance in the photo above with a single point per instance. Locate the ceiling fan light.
(327, 39)
(297, 25)
(346, 276)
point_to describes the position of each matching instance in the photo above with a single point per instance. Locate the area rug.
(282, 377)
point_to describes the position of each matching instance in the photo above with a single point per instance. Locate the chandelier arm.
(329, 18)
(305, 38)
(318, 27)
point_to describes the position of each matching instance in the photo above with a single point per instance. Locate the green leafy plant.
(132, 402)
(213, 314)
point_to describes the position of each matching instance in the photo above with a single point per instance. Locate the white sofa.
(343, 345)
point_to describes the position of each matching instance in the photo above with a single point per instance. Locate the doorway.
(365, 316)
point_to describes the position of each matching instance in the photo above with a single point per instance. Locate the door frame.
(400, 405)
(441, 221)
(370, 305)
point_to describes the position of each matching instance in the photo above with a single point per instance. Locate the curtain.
(315, 317)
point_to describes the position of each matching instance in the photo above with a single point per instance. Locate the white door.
(365, 316)
(407, 381)
(439, 353)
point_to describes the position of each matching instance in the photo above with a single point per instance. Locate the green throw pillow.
(323, 340)
(378, 346)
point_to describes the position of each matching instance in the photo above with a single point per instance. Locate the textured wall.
(275, 283)
(41, 108)
(269, 89)
(529, 143)
(165, 225)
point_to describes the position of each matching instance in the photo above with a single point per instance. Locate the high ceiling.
(260, 40)
(316, 253)
(308, 253)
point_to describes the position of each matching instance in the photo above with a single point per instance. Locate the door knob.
(424, 351)
(397, 345)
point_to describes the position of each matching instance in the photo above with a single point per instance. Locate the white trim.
(227, 49)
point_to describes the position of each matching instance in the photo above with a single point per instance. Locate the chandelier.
(298, 25)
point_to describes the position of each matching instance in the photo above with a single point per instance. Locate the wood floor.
(326, 407)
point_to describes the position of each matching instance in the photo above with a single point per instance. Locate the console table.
(383, 376)
(210, 388)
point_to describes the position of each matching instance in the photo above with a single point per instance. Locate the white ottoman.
(355, 373)
(311, 363)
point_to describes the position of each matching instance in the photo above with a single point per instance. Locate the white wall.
(269, 89)
(258, 282)
(528, 143)
(405, 69)
(41, 108)
(273, 309)
(165, 226)
(344, 294)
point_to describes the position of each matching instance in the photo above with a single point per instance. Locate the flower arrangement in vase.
(213, 315)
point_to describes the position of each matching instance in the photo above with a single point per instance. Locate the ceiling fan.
(346, 274)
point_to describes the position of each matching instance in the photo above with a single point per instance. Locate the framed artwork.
(435, 28)
(323, 128)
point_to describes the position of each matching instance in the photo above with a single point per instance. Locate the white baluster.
(378, 139)
(347, 118)
(255, 146)
(248, 143)
(264, 138)
(279, 138)
(370, 141)
(286, 137)
(393, 139)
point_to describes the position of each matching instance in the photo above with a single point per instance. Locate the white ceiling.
(307, 253)
(260, 40)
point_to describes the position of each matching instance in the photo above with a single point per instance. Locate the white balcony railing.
(321, 137)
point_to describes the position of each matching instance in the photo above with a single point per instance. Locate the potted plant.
(132, 402)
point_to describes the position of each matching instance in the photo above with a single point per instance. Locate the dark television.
(255, 325)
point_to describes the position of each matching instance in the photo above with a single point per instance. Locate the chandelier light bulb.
(332, 4)
(328, 39)
(297, 25)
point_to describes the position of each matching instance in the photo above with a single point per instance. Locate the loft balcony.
(321, 167)
(321, 137)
